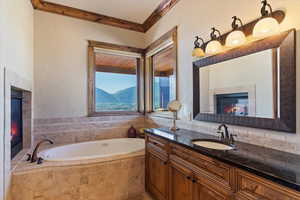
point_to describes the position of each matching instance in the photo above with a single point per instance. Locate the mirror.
(253, 85)
(245, 86)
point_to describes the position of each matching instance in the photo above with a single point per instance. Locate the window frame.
(157, 47)
(153, 76)
(92, 71)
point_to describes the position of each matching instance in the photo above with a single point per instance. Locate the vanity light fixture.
(267, 25)
(236, 37)
(214, 46)
(198, 50)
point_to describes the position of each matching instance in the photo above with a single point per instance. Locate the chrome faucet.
(33, 158)
(225, 136)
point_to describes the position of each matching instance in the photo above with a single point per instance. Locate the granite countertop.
(277, 166)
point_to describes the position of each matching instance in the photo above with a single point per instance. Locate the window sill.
(165, 114)
(103, 114)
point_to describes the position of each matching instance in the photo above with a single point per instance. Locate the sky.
(112, 82)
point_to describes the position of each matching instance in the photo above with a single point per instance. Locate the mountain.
(104, 97)
(127, 95)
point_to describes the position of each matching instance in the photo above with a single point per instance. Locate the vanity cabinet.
(251, 187)
(174, 172)
(157, 168)
(181, 185)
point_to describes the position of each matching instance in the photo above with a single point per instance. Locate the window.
(164, 78)
(113, 81)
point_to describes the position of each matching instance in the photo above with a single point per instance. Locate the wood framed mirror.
(253, 85)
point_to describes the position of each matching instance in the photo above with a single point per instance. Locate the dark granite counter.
(277, 166)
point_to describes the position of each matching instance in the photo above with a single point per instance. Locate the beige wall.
(61, 61)
(194, 17)
(16, 56)
(1, 132)
(17, 39)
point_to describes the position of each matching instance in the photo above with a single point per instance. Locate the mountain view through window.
(115, 92)
(115, 83)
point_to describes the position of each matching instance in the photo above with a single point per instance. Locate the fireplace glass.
(16, 123)
(232, 104)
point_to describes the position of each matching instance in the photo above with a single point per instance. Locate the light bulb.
(213, 47)
(198, 52)
(266, 27)
(235, 38)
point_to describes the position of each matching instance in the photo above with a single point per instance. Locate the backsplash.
(270, 139)
(81, 129)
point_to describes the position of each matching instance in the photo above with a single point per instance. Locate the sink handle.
(221, 134)
(232, 140)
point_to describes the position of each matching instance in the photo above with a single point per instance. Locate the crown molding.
(164, 7)
(86, 15)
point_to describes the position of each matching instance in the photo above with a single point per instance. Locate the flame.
(234, 109)
(14, 129)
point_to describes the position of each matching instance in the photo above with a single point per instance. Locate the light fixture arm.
(213, 35)
(264, 12)
(234, 24)
(197, 43)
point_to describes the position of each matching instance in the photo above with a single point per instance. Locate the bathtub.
(107, 169)
(94, 150)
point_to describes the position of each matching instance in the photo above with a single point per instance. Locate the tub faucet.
(33, 158)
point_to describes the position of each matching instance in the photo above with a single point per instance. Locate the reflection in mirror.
(164, 78)
(245, 86)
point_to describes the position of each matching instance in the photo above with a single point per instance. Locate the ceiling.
(164, 62)
(115, 63)
(132, 10)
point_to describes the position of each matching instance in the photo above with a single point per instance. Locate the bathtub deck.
(23, 166)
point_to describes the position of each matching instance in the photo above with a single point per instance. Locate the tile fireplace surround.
(12, 79)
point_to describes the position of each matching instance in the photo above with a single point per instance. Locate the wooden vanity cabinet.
(177, 173)
(180, 182)
(157, 168)
(190, 182)
(251, 187)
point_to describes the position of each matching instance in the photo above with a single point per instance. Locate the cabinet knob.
(188, 177)
(194, 181)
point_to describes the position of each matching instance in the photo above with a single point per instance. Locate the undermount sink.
(213, 145)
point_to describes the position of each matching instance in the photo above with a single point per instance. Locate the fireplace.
(16, 122)
(233, 104)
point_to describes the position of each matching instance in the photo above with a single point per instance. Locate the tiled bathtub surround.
(81, 129)
(121, 179)
(270, 139)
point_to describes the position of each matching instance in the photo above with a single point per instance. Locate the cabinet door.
(208, 189)
(157, 176)
(180, 182)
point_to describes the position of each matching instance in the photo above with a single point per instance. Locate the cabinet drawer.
(224, 173)
(252, 187)
(157, 144)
